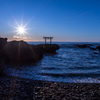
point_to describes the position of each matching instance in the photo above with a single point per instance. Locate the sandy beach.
(14, 88)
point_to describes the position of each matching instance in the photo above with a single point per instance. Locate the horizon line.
(55, 41)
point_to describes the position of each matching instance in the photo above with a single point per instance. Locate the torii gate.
(48, 38)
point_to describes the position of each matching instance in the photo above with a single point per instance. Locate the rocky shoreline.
(22, 52)
(14, 88)
(88, 46)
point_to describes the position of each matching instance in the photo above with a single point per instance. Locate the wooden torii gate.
(48, 38)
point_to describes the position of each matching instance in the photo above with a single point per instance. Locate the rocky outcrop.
(95, 52)
(1, 66)
(48, 48)
(19, 51)
(81, 46)
(22, 52)
(98, 47)
(92, 48)
(3, 42)
(84, 45)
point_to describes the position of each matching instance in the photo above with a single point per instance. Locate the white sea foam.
(87, 80)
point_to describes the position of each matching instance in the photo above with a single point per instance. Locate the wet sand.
(14, 88)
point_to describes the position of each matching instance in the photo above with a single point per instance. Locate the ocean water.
(70, 64)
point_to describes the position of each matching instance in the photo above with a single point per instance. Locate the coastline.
(14, 88)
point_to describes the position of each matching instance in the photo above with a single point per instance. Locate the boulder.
(48, 48)
(98, 47)
(84, 45)
(37, 50)
(92, 48)
(20, 52)
(3, 42)
(1, 66)
(81, 46)
(95, 53)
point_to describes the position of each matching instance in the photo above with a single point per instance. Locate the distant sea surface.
(70, 64)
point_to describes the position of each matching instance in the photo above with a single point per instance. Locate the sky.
(65, 20)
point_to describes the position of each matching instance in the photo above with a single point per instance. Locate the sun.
(21, 30)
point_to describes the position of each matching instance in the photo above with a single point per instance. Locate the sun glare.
(21, 30)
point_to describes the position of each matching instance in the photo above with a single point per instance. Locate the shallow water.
(71, 64)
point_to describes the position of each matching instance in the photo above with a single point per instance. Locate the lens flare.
(21, 30)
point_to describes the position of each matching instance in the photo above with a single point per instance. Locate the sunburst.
(21, 30)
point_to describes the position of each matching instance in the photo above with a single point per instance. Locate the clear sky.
(65, 20)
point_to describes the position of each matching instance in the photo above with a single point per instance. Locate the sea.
(70, 64)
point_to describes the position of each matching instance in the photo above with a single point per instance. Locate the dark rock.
(98, 93)
(1, 66)
(92, 48)
(84, 45)
(3, 42)
(81, 46)
(48, 48)
(37, 50)
(55, 53)
(98, 47)
(95, 53)
(19, 51)
(89, 44)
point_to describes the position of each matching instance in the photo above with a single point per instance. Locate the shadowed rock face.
(21, 52)
(48, 48)
(3, 42)
(84, 45)
(98, 47)
(92, 48)
(81, 46)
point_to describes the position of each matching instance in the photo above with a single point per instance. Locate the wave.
(67, 46)
(85, 68)
(72, 75)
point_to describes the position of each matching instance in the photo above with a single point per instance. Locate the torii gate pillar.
(48, 38)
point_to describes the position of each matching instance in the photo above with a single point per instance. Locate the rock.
(1, 66)
(37, 50)
(92, 48)
(98, 47)
(22, 52)
(81, 46)
(84, 45)
(95, 53)
(3, 42)
(48, 48)
(19, 51)
(98, 93)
